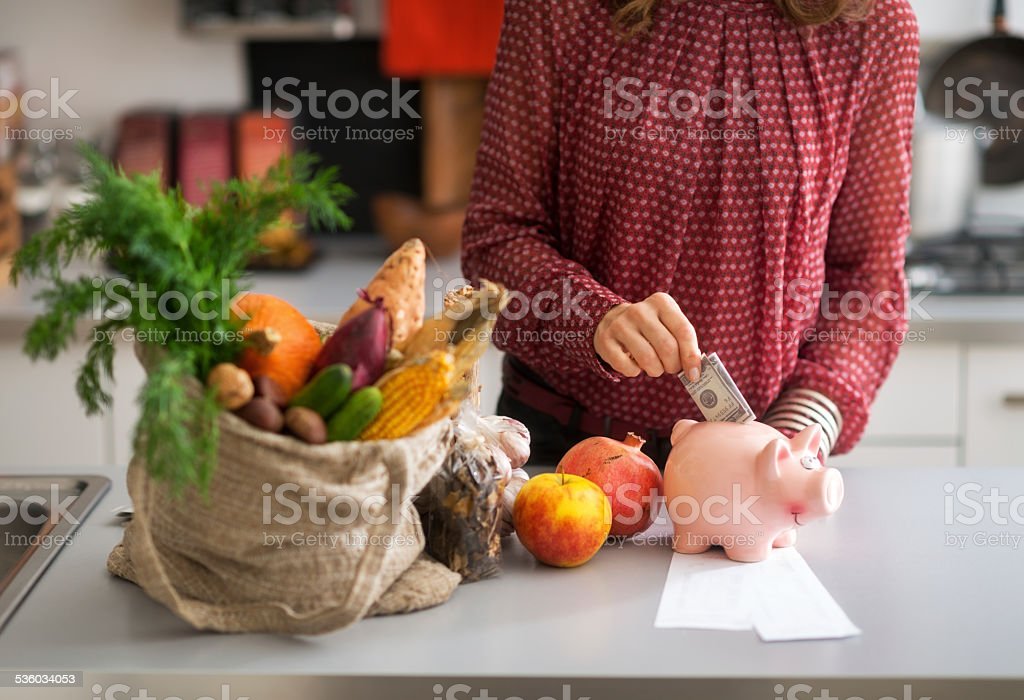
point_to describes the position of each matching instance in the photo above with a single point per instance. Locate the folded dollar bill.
(716, 394)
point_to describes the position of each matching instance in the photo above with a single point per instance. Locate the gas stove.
(969, 263)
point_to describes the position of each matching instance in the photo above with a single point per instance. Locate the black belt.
(525, 386)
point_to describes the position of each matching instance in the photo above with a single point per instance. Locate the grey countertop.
(322, 291)
(348, 263)
(979, 318)
(928, 611)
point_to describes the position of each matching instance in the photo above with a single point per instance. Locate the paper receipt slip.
(779, 597)
(716, 394)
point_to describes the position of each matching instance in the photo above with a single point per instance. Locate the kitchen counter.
(349, 262)
(346, 263)
(933, 615)
(978, 318)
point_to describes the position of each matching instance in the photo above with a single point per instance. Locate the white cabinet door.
(129, 376)
(42, 422)
(921, 397)
(995, 406)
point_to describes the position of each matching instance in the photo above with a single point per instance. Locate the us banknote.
(716, 394)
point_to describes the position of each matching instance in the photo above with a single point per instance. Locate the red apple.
(561, 519)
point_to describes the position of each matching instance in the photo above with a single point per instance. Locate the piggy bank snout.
(831, 490)
(823, 495)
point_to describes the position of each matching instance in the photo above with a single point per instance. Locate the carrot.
(400, 281)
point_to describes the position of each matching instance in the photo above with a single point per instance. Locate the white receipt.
(780, 598)
(705, 591)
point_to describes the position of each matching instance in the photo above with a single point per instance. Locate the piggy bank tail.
(681, 429)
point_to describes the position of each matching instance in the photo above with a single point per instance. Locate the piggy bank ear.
(807, 440)
(770, 459)
(680, 429)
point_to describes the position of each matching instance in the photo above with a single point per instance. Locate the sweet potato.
(400, 282)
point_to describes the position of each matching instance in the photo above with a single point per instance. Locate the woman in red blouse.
(659, 178)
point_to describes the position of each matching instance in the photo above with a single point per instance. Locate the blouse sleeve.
(511, 233)
(856, 343)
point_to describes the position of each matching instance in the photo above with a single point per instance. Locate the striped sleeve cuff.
(798, 408)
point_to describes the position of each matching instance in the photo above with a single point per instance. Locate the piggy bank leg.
(690, 543)
(786, 539)
(749, 552)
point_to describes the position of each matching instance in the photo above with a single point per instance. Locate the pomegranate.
(630, 479)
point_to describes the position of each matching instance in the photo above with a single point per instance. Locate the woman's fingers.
(641, 350)
(609, 348)
(622, 346)
(652, 336)
(612, 352)
(682, 331)
(661, 339)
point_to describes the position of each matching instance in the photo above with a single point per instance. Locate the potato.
(306, 424)
(263, 414)
(233, 385)
(267, 388)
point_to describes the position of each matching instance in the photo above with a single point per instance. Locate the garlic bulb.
(508, 500)
(513, 437)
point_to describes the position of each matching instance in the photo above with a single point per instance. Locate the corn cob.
(410, 394)
(449, 406)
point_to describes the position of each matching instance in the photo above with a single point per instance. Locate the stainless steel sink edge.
(91, 488)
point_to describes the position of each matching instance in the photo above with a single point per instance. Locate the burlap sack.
(242, 560)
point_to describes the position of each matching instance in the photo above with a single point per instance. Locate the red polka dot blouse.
(756, 171)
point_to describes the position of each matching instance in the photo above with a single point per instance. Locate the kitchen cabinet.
(921, 398)
(915, 420)
(947, 404)
(995, 406)
(42, 423)
(125, 412)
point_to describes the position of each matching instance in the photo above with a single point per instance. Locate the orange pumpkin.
(289, 343)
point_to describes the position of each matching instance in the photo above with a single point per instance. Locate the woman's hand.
(652, 336)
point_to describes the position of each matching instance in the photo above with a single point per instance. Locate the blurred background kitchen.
(207, 89)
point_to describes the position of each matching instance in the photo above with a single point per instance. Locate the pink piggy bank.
(745, 487)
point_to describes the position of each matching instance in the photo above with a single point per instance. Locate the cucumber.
(357, 413)
(327, 391)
